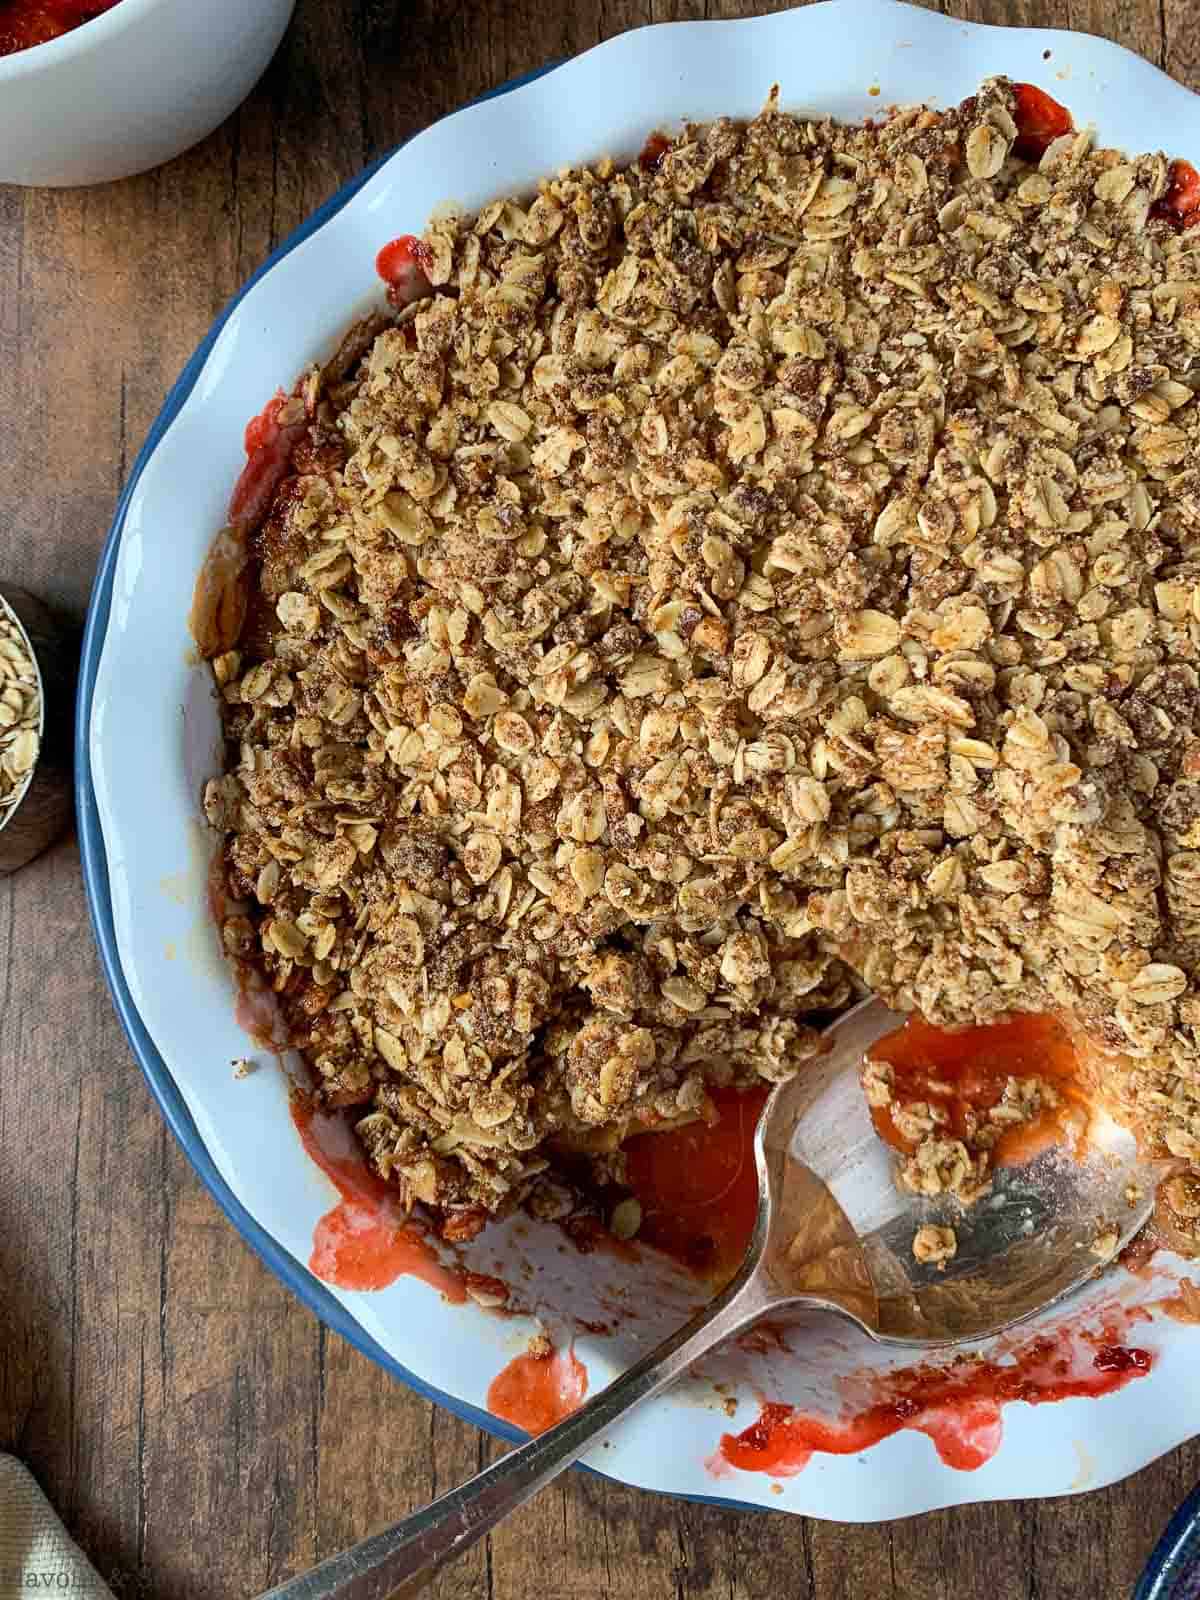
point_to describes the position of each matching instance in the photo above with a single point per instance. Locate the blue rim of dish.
(295, 1278)
(1173, 1570)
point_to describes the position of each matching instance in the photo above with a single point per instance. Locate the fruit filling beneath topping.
(957, 1104)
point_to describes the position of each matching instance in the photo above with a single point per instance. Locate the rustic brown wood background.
(201, 1434)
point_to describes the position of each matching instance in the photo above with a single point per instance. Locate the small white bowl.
(132, 88)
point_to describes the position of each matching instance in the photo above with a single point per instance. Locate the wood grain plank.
(1014, 13)
(380, 1452)
(63, 1351)
(851, 1560)
(1137, 24)
(201, 1433)
(974, 1551)
(238, 1359)
(1181, 40)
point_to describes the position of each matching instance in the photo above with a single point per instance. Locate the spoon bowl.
(833, 1231)
(1041, 1230)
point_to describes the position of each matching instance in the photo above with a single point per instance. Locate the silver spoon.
(834, 1232)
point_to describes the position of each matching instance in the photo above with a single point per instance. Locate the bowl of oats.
(35, 784)
(739, 559)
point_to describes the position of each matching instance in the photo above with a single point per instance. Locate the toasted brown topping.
(782, 551)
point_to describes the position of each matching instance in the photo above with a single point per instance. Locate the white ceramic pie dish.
(132, 88)
(147, 735)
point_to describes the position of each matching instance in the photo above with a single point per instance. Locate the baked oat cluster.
(934, 1246)
(943, 1162)
(778, 554)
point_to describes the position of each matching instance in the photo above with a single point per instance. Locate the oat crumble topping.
(735, 573)
(934, 1246)
(941, 1163)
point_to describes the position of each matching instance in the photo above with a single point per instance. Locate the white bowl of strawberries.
(92, 90)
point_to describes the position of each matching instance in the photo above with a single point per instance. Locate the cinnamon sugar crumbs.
(774, 563)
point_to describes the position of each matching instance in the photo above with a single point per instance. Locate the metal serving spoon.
(833, 1231)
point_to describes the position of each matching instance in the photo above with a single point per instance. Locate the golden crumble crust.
(779, 557)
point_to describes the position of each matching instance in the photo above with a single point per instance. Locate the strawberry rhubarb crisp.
(763, 569)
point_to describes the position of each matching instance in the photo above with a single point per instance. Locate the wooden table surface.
(201, 1434)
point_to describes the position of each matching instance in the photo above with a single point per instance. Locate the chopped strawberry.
(1040, 120)
(1180, 205)
(404, 266)
(261, 430)
(653, 151)
(264, 471)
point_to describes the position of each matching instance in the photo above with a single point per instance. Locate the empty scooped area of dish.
(594, 1296)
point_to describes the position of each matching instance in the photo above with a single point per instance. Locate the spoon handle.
(399, 1561)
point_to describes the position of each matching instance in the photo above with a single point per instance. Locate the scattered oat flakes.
(243, 1067)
